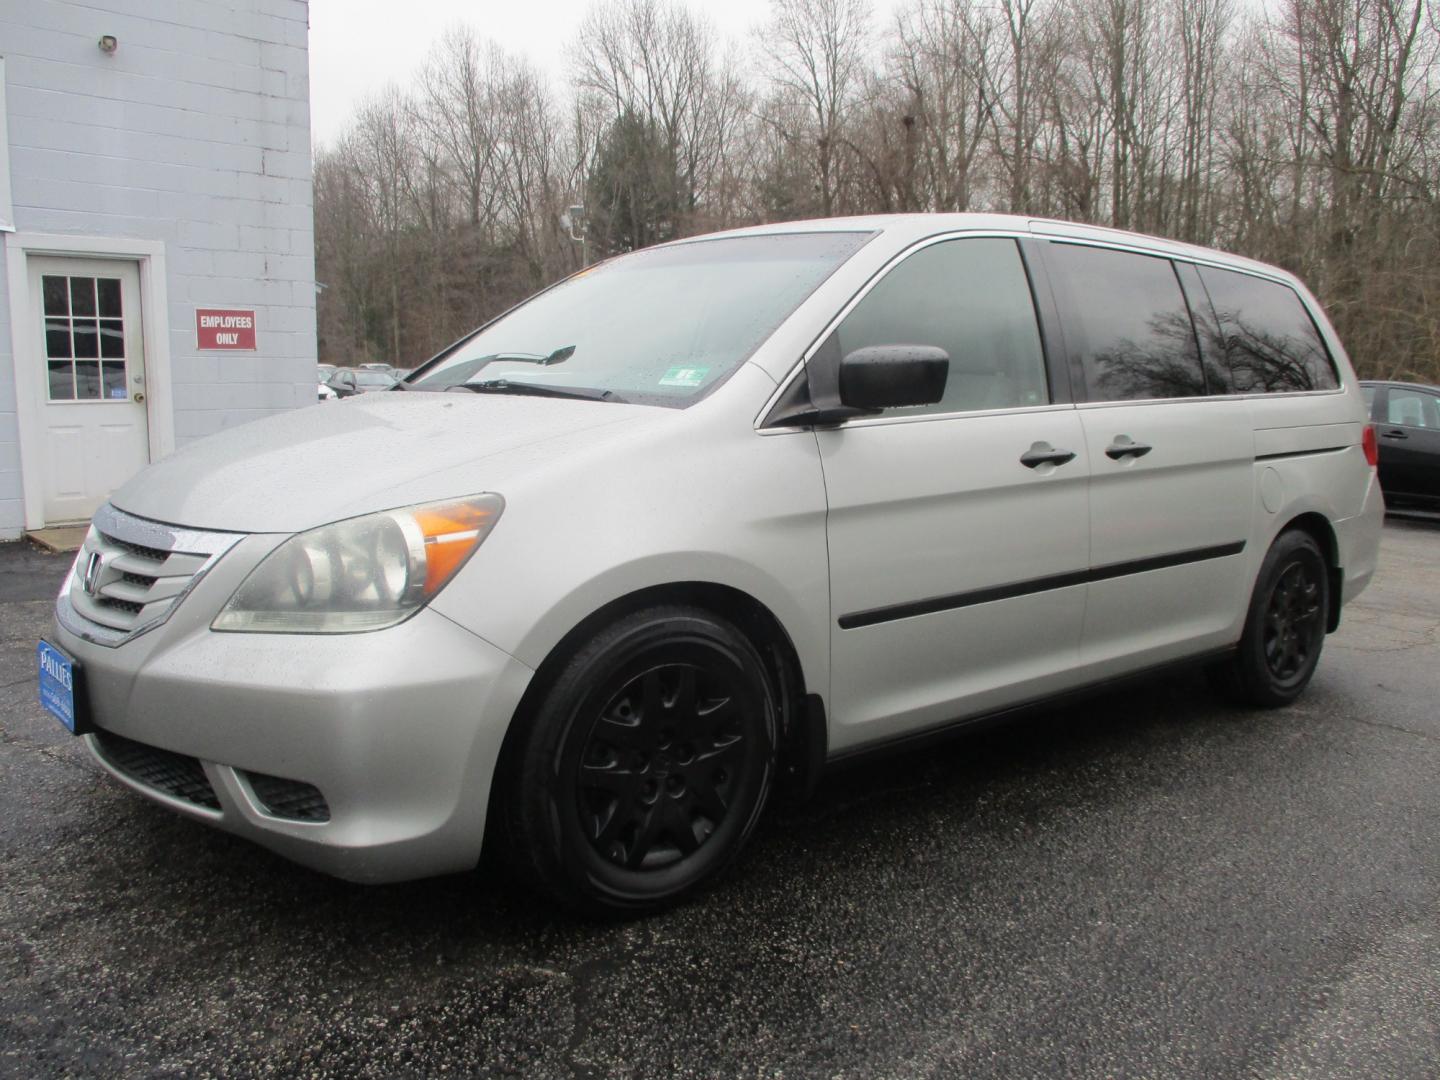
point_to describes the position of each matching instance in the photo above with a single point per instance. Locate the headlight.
(366, 573)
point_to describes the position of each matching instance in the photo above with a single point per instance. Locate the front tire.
(1284, 628)
(645, 766)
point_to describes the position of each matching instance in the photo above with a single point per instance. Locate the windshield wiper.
(505, 386)
(559, 356)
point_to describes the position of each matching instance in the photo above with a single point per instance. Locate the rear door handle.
(1124, 446)
(1393, 435)
(1042, 453)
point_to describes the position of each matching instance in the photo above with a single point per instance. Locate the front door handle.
(1393, 435)
(1042, 453)
(1124, 446)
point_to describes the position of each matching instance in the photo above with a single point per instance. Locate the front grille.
(131, 573)
(177, 775)
(140, 551)
(293, 799)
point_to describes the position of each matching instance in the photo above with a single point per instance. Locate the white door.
(958, 532)
(1171, 464)
(1169, 529)
(91, 381)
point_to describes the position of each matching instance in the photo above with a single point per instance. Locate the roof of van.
(918, 226)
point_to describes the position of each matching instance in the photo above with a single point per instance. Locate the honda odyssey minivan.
(707, 518)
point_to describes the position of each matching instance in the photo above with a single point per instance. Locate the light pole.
(572, 219)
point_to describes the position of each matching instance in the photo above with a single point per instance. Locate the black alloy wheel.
(661, 765)
(1285, 626)
(645, 767)
(1293, 624)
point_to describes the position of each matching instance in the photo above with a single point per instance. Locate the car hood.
(304, 468)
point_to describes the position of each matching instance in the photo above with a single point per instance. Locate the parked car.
(327, 394)
(709, 518)
(347, 382)
(326, 371)
(386, 368)
(1407, 422)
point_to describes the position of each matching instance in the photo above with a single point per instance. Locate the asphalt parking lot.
(1152, 884)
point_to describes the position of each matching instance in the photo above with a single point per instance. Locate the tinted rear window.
(1262, 340)
(1126, 319)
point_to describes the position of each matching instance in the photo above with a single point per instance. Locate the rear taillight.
(1368, 444)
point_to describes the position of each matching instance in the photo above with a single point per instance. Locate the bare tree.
(1305, 134)
(817, 49)
(939, 57)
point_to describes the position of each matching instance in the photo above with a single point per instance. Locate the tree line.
(1303, 133)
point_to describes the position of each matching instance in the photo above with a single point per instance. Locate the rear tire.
(1284, 627)
(645, 766)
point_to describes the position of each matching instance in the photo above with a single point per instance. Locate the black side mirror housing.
(892, 376)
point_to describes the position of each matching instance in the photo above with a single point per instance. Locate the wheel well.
(1318, 526)
(803, 732)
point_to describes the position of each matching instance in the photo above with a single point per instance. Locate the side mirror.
(890, 376)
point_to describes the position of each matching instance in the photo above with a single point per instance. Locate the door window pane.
(87, 342)
(972, 299)
(87, 380)
(1409, 408)
(109, 295)
(1265, 340)
(82, 296)
(112, 338)
(113, 378)
(76, 340)
(1126, 319)
(57, 295)
(57, 339)
(62, 381)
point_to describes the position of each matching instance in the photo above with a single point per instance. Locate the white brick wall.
(195, 133)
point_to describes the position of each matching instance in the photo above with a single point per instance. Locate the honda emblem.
(90, 581)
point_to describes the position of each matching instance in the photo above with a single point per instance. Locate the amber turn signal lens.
(452, 531)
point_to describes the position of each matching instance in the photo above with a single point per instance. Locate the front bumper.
(399, 729)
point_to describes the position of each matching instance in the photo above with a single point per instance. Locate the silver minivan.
(706, 518)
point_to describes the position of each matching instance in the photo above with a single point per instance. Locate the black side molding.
(930, 606)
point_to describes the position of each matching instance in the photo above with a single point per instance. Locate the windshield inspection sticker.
(684, 376)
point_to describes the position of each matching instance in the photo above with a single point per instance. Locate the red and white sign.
(225, 328)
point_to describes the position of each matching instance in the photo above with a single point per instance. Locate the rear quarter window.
(1261, 338)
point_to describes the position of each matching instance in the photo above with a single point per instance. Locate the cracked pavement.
(1148, 884)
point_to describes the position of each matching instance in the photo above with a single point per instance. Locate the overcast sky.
(359, 46)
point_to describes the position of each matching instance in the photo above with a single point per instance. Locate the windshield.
(372, 378)
(660, 326)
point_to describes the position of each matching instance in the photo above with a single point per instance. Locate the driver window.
(1408, 408)
(970, 297)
